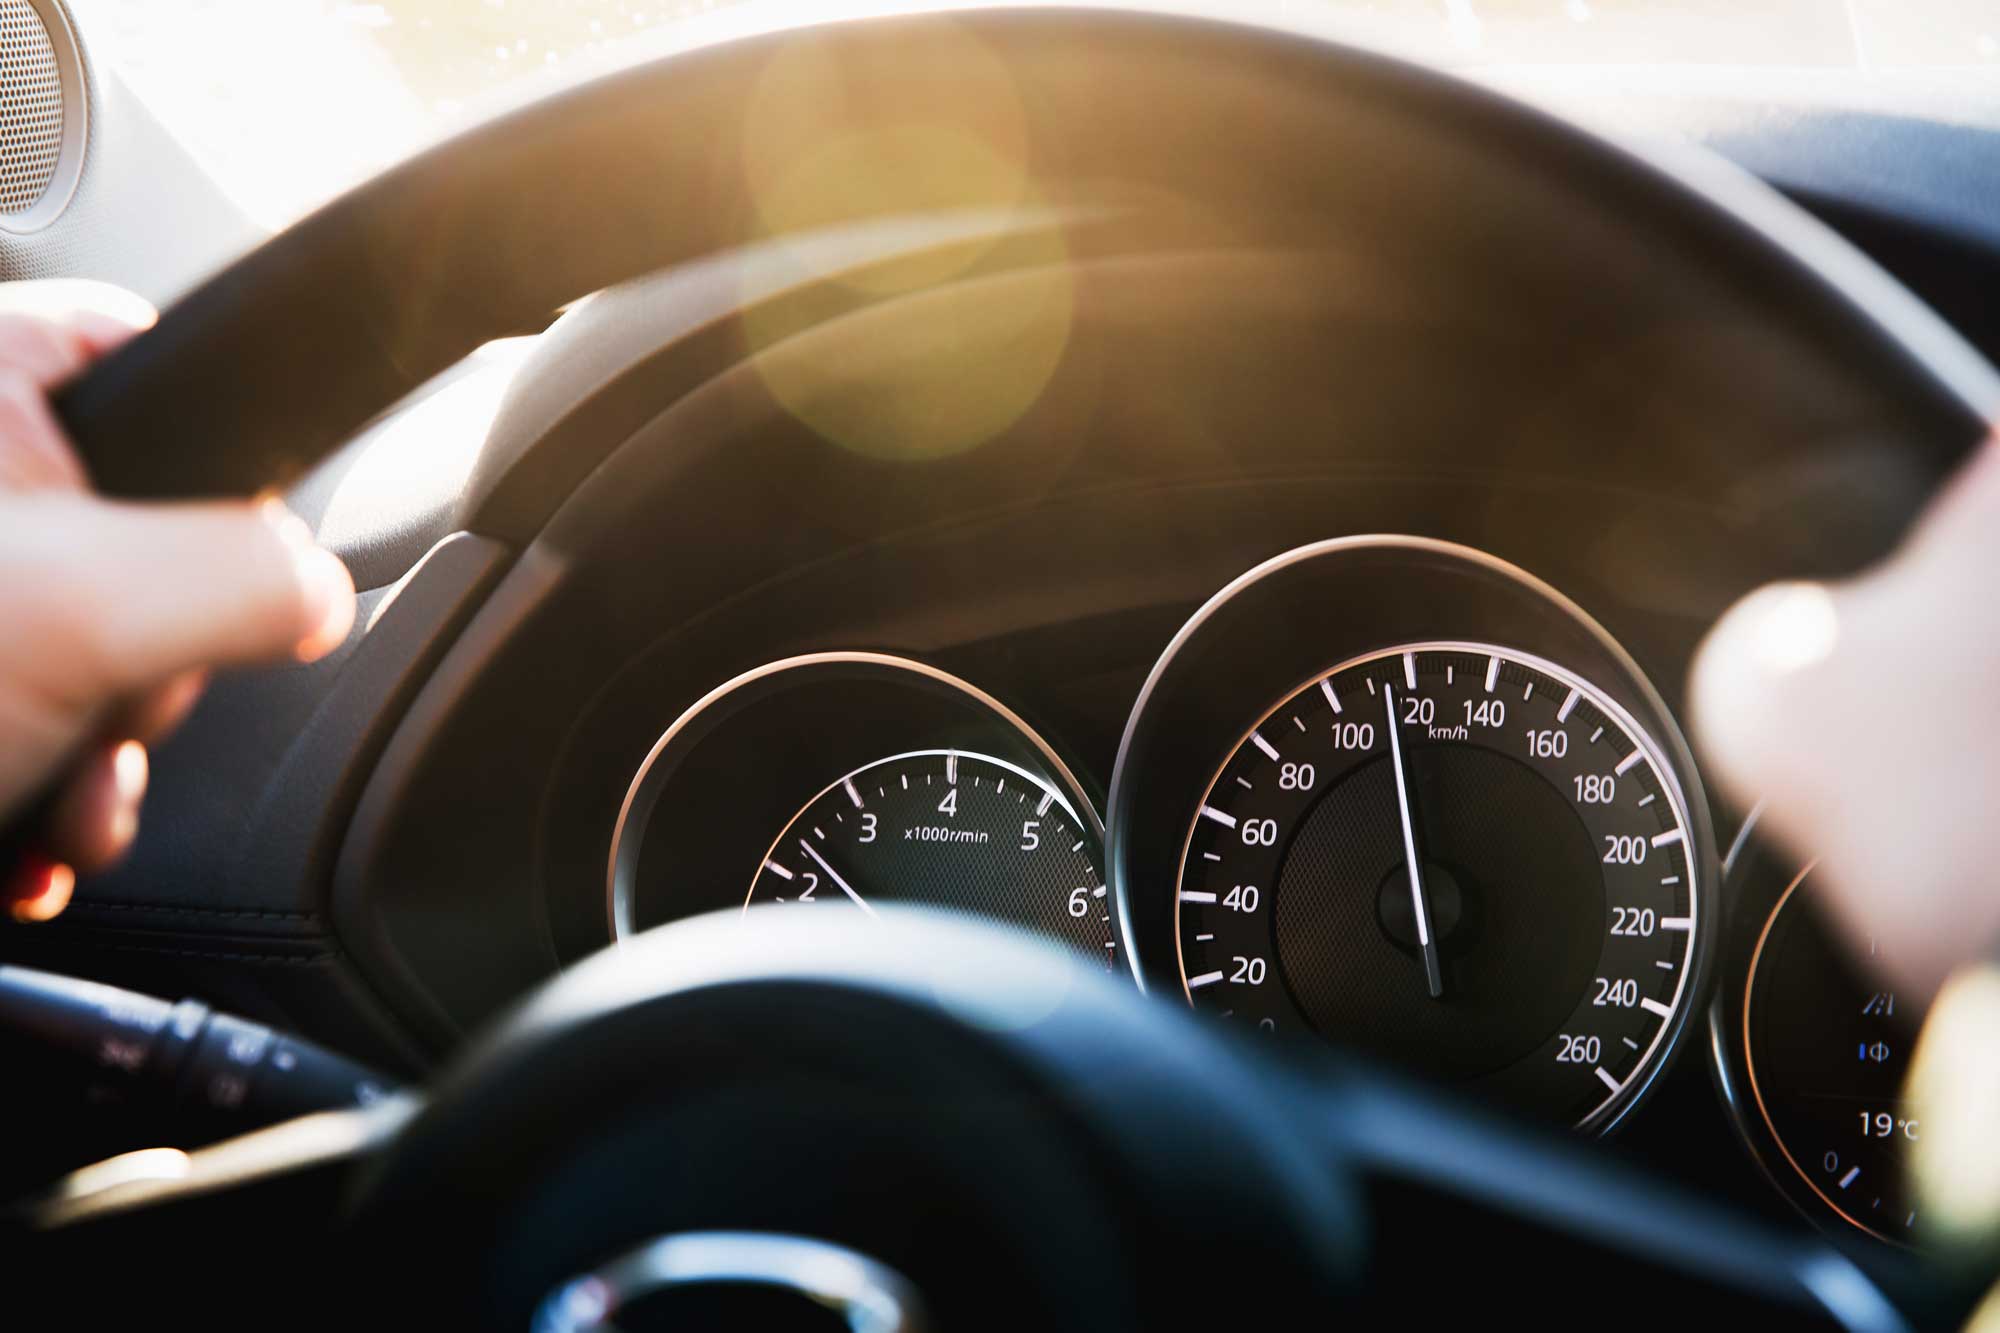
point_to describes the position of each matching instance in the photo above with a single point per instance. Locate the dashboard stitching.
(175, 909)
(230, 956)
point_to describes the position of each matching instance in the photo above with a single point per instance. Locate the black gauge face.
(946, 828)
(1457, 857)
(1829, 1048)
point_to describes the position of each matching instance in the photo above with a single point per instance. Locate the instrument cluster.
(1389, 794)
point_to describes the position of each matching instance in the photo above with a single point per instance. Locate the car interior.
(1018, 666)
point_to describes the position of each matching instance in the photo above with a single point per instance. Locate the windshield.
(288, 102)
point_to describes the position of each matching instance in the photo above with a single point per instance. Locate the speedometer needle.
(1432, 973)
(834, 875)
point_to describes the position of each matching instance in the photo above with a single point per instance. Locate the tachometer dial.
(946, 828)
(971, 808)
(1453, 854)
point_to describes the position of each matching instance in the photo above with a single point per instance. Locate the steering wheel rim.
(1101, 1134)
(1153, 1171)
(270, 364)
(277, 359)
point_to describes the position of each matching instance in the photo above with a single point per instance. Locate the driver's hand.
(1866, 716)
(110, 614)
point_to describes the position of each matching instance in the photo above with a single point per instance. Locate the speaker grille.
(31, 108)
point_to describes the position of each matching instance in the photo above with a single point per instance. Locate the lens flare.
(929, 126)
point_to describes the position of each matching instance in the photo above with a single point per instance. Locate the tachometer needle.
(834, 875)
(1433, 974)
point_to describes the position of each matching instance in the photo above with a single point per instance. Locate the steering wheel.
(918, 1118)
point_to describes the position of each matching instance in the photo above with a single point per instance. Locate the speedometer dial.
(1455, 855)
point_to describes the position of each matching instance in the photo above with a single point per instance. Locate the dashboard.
(1186, 682)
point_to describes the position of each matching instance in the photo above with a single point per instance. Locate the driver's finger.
(148, 716)
(53, 346)
(33, 452)
(126, 596)
(1861, 714)
(97, 816)
(60, 325)
(49, 331)
(36, 888)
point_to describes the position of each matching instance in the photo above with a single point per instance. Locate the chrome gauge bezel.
(1303, 614)
(914, 706)
(1761, 882)
(1750, 1066)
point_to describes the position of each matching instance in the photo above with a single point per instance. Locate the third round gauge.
(1453, 851)
(1827, 1046)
